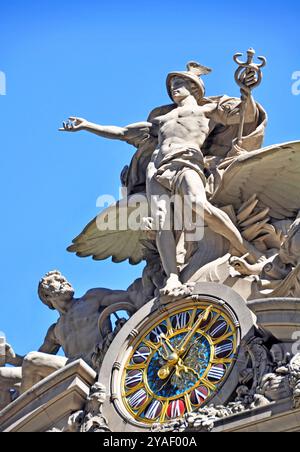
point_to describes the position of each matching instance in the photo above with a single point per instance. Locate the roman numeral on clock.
(199, 395)
(219, 329)
(133, 378)
(157, 332)
(179, 321)
(138, 399)
(154, 410)
(217, 372)
(141, 355)
(224, 349)
(176, 409)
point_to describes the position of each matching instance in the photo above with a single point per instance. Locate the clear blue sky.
(106, 61)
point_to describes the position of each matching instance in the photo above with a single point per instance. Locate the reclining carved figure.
(76, 332)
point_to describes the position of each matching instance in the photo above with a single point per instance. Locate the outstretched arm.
(50, 345)
(11, 357)
(251, 113)
(112, 132)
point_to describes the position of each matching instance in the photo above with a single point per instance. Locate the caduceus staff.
(245, 73)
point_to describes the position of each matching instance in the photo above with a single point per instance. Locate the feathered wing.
(110, 234)
(272, 173)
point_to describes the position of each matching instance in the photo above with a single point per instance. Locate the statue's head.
(185, 83)
(56, 292)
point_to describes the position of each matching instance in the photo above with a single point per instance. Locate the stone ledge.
(49, 403)
(277, 417)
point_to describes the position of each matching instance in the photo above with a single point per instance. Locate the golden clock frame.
(111, 371)
(187, 306)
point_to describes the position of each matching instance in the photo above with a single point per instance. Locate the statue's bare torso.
(182, 128)
(77, 331)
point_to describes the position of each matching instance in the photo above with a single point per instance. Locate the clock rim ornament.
(112, 369)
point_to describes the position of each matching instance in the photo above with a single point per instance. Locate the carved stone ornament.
(91, 419)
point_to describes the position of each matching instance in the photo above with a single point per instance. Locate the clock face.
(179, 363)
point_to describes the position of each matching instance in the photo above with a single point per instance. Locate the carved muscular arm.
(229, 111)
(50, 345)
(106, 297)
(131, 133)
(11, 357)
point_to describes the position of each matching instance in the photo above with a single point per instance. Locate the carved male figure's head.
(185, 83)
(181, 88)
(56, 292)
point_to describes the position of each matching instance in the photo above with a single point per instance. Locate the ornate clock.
(175, 360)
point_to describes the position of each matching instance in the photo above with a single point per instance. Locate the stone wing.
(115, 233)
(272, 173)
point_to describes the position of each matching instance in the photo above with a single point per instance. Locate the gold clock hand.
(178, 352)
(171, 358)
(181, 367)
(171, 373)
(175, 364)
(163, 345)
(165, 370)
(202, 318)
(167, 341)
(164, 342)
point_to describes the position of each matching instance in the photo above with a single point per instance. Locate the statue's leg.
(159, 199)
(37, 366)
(10, 379)
(193, 190)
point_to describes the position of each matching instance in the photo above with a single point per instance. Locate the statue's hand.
(249, 83)
(11, 357)
(9, 352)
(250, 79)
(74, 124)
